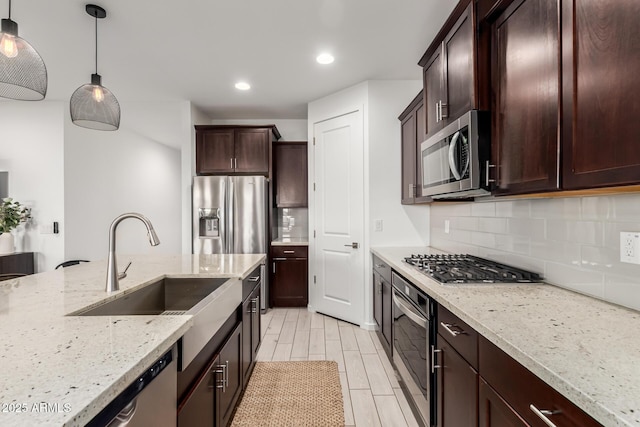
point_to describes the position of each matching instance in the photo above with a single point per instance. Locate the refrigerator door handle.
(231, 202)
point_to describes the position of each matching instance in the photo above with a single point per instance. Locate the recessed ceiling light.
(243, 86)
(325, 58)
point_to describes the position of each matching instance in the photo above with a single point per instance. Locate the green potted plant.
(12, 214)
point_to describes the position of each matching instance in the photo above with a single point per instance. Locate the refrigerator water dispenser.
(209, 222)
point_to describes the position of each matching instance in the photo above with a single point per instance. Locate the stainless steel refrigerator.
(230, 217)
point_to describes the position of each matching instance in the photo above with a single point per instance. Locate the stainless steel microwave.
(455, 160)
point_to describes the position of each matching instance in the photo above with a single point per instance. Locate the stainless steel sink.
(209, 301)
(167, 296)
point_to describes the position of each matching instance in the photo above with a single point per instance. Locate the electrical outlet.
(446, 226)
(630, 247)
(378, 225)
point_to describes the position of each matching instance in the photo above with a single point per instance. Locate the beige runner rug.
(301, 394)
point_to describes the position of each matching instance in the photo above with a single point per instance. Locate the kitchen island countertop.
(587, 349)
(62, 370)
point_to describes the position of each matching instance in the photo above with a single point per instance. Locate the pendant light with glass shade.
(92, 105)
(23, 75)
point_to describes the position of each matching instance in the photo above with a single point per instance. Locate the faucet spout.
(112, 267)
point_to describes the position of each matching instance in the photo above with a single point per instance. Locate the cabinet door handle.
(220, 369)
(274, 267)
(542, 414)
(450, 328)
(231, 159)
(437, 112)
(433, 359)
(235, 163)
(289, 252)
(488, 166)
(254, 304)
(442, 106)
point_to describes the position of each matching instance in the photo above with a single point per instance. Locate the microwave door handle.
(466, 165)
(452, 159)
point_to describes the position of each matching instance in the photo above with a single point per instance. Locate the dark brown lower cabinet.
(250, 333)
(494, 411)
(211, 401)
(382, 303)
(230, 364)
(457, 388)
(526, 393)
(289, 281)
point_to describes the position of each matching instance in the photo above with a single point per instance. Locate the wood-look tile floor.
(370, 390)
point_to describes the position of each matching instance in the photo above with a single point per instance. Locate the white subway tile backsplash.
(583, 281)
(626, 208)
(526, 227)
(597, 208)
(483, 209)
(587, 232)
(556, 251)
(568, 208)
(514, 208)
(517, 244)
(574, 242)
(622, 290)
(492, 225)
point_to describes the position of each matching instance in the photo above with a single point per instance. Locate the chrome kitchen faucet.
(112, 268)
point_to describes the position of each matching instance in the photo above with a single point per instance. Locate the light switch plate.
(378, 225)
(630, 247)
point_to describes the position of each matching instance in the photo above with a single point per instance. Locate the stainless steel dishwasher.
(151, 400)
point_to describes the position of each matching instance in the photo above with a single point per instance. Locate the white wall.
(31, 150)
(290, 129)
(402, 225)
(134, 169)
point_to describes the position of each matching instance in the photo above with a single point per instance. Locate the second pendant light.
(92, 105)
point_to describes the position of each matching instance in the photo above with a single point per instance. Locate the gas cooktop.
(462, 268)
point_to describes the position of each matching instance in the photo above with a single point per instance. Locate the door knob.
(354, 245)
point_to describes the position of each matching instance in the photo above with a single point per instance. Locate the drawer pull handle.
(289, 252)
(449, 328)
(380, 266)
(254, 279)
(542, 414)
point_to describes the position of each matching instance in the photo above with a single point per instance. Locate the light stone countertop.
(587, 349)
(290, 241)
(77, 365)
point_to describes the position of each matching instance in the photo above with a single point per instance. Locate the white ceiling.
(155, 50)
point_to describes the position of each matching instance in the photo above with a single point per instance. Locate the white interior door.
(339, 216)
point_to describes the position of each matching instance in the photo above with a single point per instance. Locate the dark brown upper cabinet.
(601, 57)
(242, 150)
(525, 84)
(290, 164)
(412, 125)
(449, 70)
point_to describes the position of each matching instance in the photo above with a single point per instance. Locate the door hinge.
(314, 234)
(314, 186)
(314, 279)
(314, 140)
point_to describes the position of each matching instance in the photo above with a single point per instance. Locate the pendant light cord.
(96, 42)
(9, 9)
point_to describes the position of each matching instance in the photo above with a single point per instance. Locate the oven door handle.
(409, 312)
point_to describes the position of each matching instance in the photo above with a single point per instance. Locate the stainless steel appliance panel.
(413, 333)
(248, 214)
(210, 215)
(455, 160)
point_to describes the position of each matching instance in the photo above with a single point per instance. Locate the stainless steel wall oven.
(413, 334)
